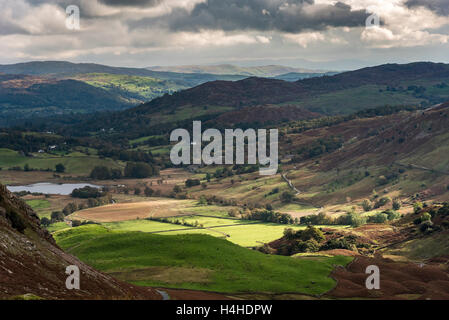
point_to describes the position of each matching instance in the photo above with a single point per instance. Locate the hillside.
(337, 162)
(201, 262)
(23, 97)
(32, 264)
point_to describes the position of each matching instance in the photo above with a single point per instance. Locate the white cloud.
(30, 32)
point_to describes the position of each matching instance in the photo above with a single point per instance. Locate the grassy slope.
(421, 249)
(233, 269)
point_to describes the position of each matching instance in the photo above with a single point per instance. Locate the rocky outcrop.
(32, 264)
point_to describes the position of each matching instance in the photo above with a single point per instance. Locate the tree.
(139, 170)
(379, 218)
(45, 221)
(367, 206)
(208, 177)
(192, 182)
(100, 173)
(381, 202)
(177, 189)
(57, 216)
(355, 220)
(137, 191)
(148, 192)
(312, 233)
(202, 201)
(417, 207)
(392, 215)
(287, 196)
(426, 217)
(70, 208)
(86, 192)
(396, 204)
(60, 168)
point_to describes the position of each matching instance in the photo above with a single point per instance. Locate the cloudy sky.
(325, 34)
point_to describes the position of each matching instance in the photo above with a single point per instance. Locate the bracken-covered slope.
(32, 264)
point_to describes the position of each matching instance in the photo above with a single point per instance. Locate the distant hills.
(62, 69)
(417, 84)
(420, 84)
(47, 88)
(229, 69)
(25, 97)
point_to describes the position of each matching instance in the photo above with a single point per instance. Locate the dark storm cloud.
(263, 15)
(131, 3)
(440, 7)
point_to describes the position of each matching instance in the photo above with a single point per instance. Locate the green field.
(206, 262)
(41, 206)
(241, 232)
(75, 163)
(143, 226)
(130, 87)
(249, 235)
(57, 227)
(38, 204)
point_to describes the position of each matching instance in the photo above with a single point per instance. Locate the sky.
(320, 34)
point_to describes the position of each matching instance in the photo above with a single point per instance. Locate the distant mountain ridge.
(64, 69)
(229, 69)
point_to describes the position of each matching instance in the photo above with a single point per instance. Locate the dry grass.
(156, 207)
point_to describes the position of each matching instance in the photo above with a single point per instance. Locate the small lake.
(51, 188)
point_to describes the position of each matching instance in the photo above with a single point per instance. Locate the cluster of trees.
(138, 170)
(384, 216)
(59, 168)
(426, 219)
(350, 218)
(267, 216)
(192, 182)
(367, 205)
(105, 173)
(126, 155)
(313, 239)
(318, 147)
(231, 171)
(87, 192)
